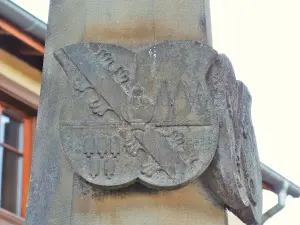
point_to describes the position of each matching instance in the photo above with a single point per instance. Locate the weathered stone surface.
(127, 123)
(234, 175)
(136, 25)
(157, 116)
(138, 115)
(136, 205)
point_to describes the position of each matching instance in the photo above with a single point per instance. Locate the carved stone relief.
(234, 175)
(160, 116)
(145, 116)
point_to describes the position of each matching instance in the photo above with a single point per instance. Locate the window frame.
(24, 96)
(28, 122)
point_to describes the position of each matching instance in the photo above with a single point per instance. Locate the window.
(15, 157)
(11, 160)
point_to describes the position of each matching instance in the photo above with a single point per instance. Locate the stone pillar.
(78, 175)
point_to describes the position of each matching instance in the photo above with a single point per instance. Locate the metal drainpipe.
(22, 19)
(281, 186)
(276, 181)
(280, 205)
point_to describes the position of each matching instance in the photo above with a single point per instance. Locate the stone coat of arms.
(142, 116)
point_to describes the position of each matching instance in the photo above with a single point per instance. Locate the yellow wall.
(19, 72)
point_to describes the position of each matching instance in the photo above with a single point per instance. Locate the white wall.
(262, 39)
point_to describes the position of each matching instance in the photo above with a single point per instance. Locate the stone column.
(68, 184)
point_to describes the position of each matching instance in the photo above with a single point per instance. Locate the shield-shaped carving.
(234, 176)
(143, 116)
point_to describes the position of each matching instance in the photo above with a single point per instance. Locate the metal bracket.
(280, 205)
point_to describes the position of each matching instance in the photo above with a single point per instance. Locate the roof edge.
(23, 20)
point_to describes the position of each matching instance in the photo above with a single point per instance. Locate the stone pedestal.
(58, 194)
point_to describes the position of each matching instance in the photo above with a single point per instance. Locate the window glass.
(11, 132)
(11, 146)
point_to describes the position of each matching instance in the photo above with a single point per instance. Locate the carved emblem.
(234, 175)
(145, 116)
